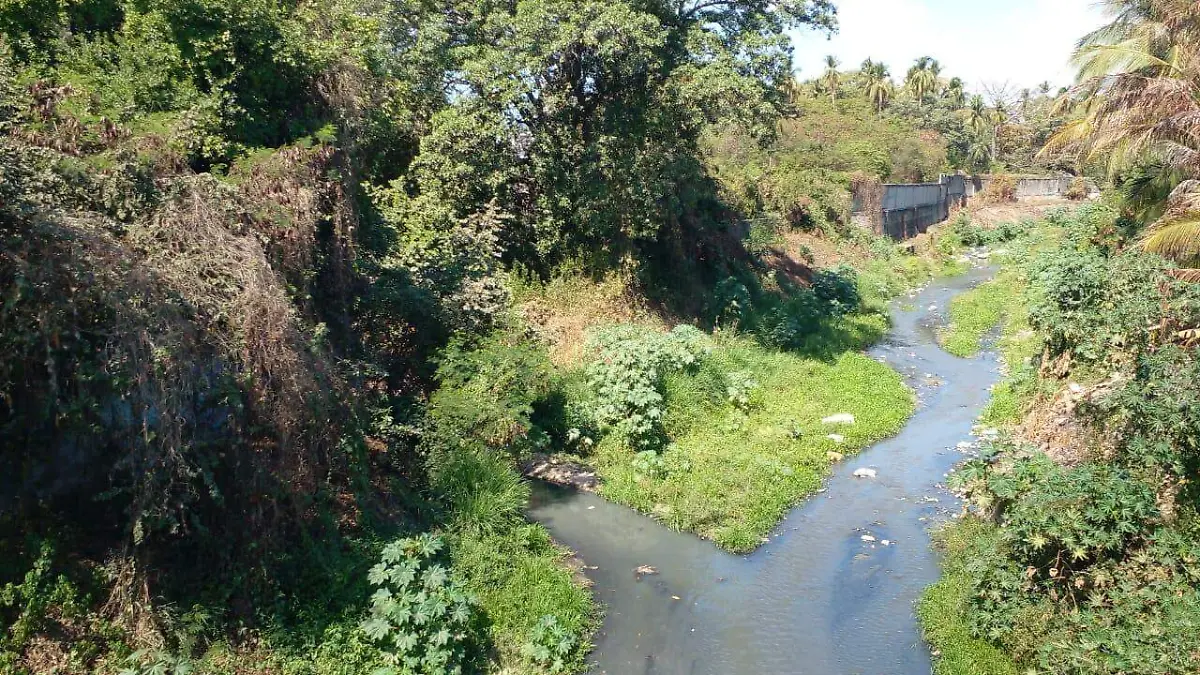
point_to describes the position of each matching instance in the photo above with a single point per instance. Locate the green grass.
(975, 313)
(944, 608)
(732, 475)
(881, 279)
(520, 576)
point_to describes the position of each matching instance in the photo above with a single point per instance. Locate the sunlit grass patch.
(519, 576)
(730, 475)
(976, 313)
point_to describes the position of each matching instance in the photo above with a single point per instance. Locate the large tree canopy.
(579, 119)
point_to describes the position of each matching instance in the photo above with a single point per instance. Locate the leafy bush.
(741, 388)
(731, 303)
(1098, 308)
(1000, 189)
(1062, 520)
(1092, 568)
(419, 612)
(456, 259)
(1069, 288)
(626, 375)
(649, 464)
(487, 393)
(1055, 523)
(1078, 190)
(837, 289)
(966, 233)
(763, 236)
(787, 325)
(1156, 414)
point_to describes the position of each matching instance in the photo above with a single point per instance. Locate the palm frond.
(1190, 275)
(1175, 238)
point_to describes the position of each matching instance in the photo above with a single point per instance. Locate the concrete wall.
(1055, 186)
(911, 209)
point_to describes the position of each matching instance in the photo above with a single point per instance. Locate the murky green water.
(818, 598)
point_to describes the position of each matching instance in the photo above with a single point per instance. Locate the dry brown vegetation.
(991, 215)
(150, 341)
(563, 311)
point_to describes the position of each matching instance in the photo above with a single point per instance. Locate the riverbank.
(1078, 553)
(751, 427)
(825, 591)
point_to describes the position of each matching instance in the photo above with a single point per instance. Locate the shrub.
(1093, 569)
(650, 464)
(732, 302)
(965, 232)
(487, 393)
(808, 199)
(1078, 190)
(741, 389)
(787, 325)
(1000, 189)
(422, 615)
(1068, 288)
(1057, 524)
(550, 645)
(1155, 414)
(627, 374)
(837, 290)
(763, 236)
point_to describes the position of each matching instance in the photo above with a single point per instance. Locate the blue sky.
(1022, 42)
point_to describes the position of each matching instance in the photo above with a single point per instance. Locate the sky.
(1019, 42)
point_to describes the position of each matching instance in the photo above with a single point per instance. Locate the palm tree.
(1138, 101)
(977, 114)
(998, 116)
(979, 155)
(792, 91)
(955, 93)
(980, 120)
(922, 78)
(832, 78)
(879, 84)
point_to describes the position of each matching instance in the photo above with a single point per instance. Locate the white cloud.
(1022, 42)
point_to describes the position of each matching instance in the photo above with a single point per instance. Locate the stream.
(817, 599)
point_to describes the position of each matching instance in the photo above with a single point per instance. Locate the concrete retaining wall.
(911, 209)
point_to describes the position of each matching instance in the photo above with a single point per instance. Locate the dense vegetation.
(272, 352)
(1135, 106)
(292, 288)
(258, 260)
(1081, 556)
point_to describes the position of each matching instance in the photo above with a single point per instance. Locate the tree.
(922, 78)
(955, 93)
(583, 115)
(832, 78)
(879, 87)
(977, 114)
(998, 115)
(979, 121)
(1137, 99)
